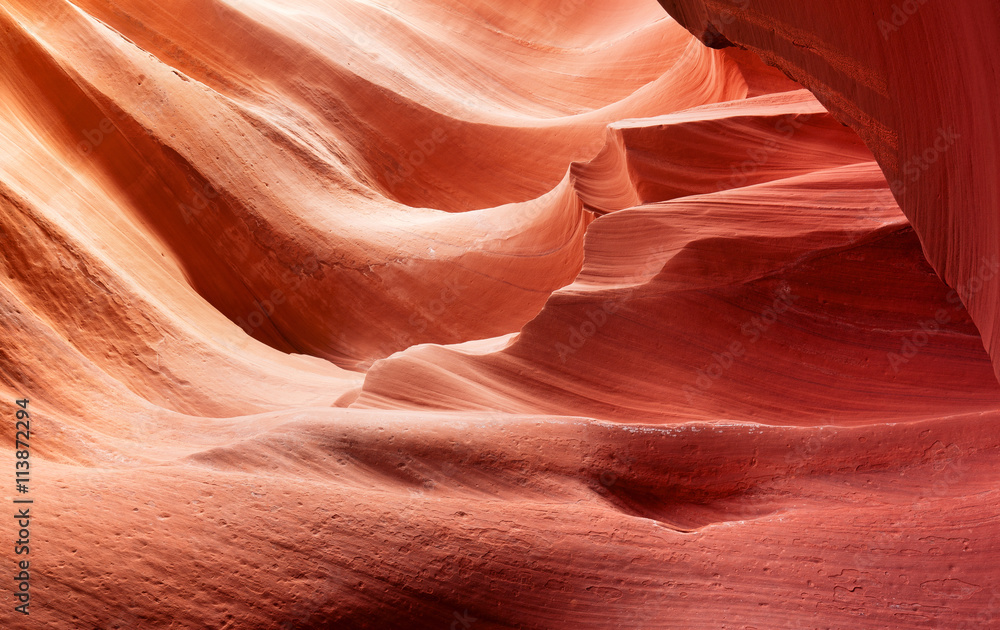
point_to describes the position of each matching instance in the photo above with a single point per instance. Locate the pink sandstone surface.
(432, 314)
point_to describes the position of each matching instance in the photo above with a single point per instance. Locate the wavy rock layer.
(426, 314)
(922, 108)
(696, 308)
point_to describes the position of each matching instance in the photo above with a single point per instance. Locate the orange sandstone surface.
(544, 314)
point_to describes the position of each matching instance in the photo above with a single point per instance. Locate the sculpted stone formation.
(544, 314)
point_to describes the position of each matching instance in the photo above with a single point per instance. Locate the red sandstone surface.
(432, 314)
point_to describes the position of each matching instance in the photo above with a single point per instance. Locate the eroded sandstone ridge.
(917, 80)
(543, 314)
